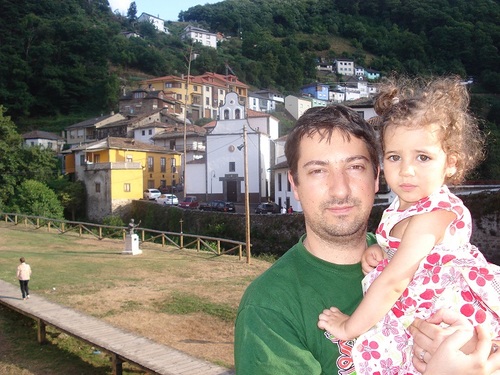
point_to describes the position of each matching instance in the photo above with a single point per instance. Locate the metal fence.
(218, 246)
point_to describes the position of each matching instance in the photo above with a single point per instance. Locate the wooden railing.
(180, 240)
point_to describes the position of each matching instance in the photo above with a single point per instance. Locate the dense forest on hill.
(64, 61)
(70, 57)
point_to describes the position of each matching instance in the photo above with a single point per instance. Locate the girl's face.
(415, 164)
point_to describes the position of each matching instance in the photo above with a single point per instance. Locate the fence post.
(182, 236)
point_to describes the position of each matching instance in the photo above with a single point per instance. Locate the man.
(332, 155)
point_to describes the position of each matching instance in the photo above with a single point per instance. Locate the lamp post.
(247, 195)
(212, 176)
(185, 120)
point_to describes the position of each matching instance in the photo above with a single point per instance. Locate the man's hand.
(457, 349)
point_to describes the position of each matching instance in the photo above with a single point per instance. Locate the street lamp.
(211, 181)
(247, 193)
(185, 119)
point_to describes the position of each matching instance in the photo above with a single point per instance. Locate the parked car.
(151, 194)
(189, 202)
(168, 200)
(267, 208)
(220, 206)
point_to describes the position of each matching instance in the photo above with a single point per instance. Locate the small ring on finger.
(421, 356)
(494, 348)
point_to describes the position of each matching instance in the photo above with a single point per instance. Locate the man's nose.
(339, 185)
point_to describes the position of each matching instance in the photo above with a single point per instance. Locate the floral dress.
(454, 275)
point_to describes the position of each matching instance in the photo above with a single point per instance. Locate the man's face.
(336, 187)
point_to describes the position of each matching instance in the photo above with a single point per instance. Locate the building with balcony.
(117, 170)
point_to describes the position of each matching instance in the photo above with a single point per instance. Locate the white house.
(158, 23)
(200, 35)
(221, 174)
(297, 106)
(43, 139)
(344, 67)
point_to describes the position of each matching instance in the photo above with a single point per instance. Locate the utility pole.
(184, 161)
(247, 195)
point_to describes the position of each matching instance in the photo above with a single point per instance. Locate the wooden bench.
(122, 346)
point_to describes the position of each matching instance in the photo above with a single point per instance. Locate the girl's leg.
(26, 288)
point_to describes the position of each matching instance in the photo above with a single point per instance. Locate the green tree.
(10, 160)
(36, 198)
(72, 195)
(132, 12)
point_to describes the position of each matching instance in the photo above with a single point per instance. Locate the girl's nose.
(407, 169)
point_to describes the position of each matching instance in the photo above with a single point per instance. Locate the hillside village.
(153, 142)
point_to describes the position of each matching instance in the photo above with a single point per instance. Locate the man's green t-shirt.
(276, 329)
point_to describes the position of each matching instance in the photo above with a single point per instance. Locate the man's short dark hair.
(323, 121)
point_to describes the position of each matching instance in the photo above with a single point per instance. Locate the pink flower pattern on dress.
(454, 274)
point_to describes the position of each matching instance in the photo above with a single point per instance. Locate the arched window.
(226, 114)
(237, 113)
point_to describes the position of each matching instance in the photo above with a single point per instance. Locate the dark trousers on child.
(24, 288)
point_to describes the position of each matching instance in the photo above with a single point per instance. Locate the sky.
(167, 10)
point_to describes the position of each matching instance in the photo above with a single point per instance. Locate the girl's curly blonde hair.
(440, 101)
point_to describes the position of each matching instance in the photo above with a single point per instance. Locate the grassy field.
(181, 298)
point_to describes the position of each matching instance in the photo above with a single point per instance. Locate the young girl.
(428, 140)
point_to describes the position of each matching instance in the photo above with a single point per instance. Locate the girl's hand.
(371, 258)
(335, 322)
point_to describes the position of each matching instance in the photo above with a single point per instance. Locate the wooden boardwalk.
(122, 346)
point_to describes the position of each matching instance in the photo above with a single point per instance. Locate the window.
(195, 88)
(232, 166)
(279, 182)
(50, 145)
(97, 187)
(173, 165)
(82, 160)
(207, 89)
(143, 132)
(151, 164)
(129, 159)
(207, 101)
(150, 132)
(163, 165)
(97, 158)
(126, 187)
(237, 113)
(172, 144)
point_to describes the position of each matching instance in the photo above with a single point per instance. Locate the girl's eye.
(393, 158)
(423, 158)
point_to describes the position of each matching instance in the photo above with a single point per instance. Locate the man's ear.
(293, 185)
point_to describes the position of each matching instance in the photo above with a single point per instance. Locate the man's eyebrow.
(322, 163)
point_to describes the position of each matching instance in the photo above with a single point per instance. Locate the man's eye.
(358, 166)
(316, 171)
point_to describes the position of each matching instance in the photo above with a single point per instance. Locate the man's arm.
(267, 344)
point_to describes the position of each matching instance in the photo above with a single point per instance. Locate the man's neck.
(337, 250)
